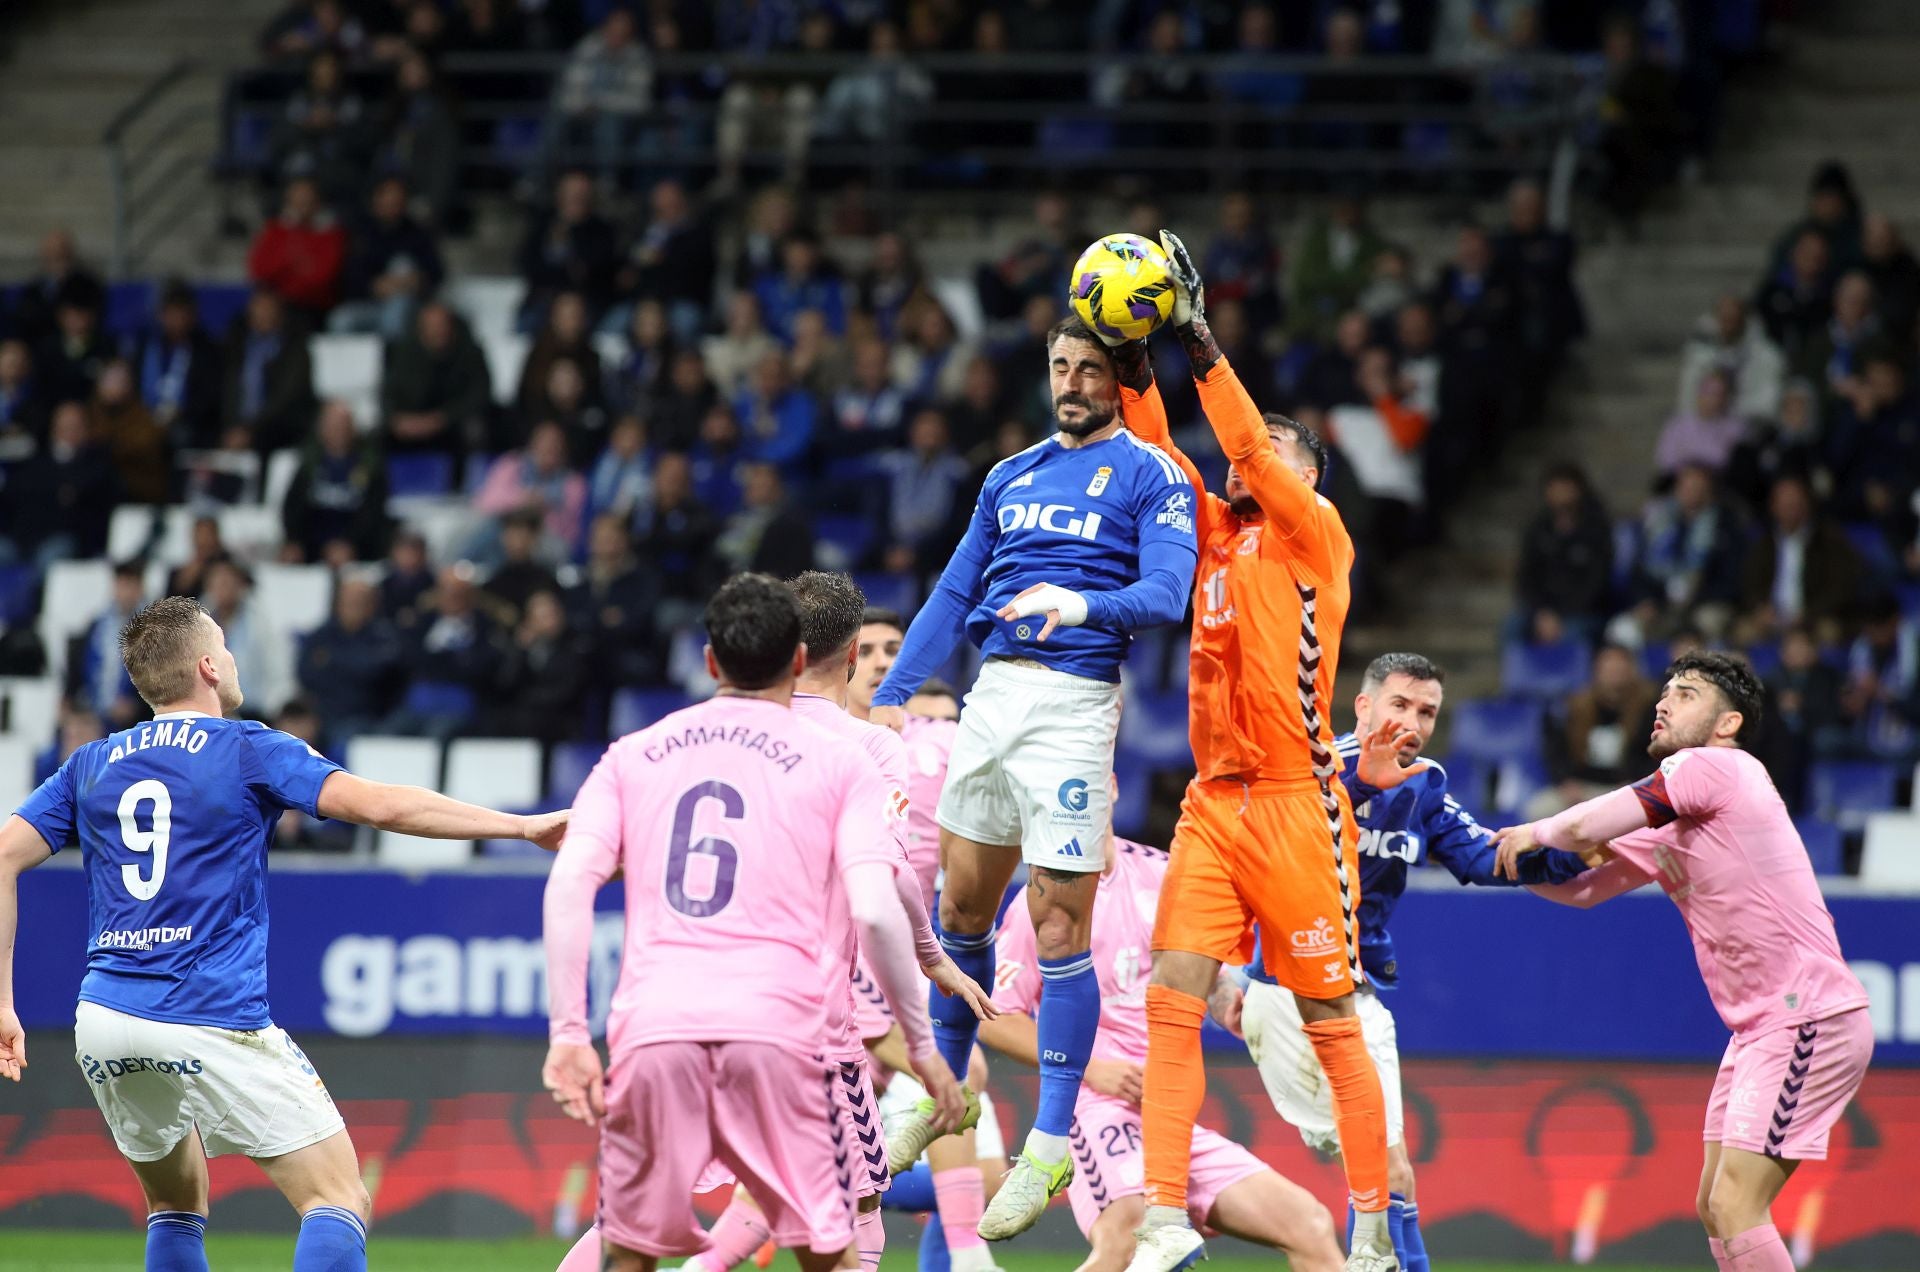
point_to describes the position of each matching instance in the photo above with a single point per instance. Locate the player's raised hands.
(1062, 607)
(1118, 1079)
(951, 981)
(546, 829)
(894, 718)
(1513, 842)
(1189, 292)
(13, 1045)
(949, 1100)
(1379, 763)
(578, 1082)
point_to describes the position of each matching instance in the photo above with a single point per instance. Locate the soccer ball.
(1121, 286)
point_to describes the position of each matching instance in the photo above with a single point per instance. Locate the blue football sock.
(954, 1024)
(911, 1190)
(1414, 1259)
(332, 1239)
(176, 1241)
(933, 1246)
(1068, 1018)
(1396, 1212)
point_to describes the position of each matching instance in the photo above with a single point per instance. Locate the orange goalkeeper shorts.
(1272, 853)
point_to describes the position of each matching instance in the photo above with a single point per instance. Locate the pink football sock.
(961, 1199)
(739, 1231)
(870, 1235)
(585, 1255)
(1758, 1250)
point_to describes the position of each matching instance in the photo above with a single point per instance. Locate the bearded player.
(1266, 830)
(1074, 544)
(1710, 829)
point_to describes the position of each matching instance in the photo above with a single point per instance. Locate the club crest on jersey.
(1100, 479)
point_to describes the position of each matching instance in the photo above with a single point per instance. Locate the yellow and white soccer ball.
(1122, 286)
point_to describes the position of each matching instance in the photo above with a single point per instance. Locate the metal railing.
(149, 194)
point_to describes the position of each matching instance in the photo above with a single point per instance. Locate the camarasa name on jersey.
(175, 733)
(774, 750)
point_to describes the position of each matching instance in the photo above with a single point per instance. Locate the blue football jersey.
(1414, 823)
(173, 819)
(1113, 521)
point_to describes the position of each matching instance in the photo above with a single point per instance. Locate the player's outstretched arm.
(1584, 829)
(1144, 412)
(414, 810)
(572, 1072)
(21, 849)
(1616, 878)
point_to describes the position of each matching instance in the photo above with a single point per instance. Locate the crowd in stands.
(1782, 516)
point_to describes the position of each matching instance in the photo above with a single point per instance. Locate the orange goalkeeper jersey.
(1270, 599)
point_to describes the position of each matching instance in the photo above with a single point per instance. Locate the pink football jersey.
(1123, 910)
(849, 1018)
(1721, 844)
(733, 821)
(929, 743)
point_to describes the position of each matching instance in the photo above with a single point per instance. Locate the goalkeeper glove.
(1189, 307)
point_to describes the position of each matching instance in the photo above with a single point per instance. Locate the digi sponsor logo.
(100, 1072)
(1054, 518)
(1315, 942)
(1389, 845)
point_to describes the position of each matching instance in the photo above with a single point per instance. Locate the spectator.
(689, 396)
(675, 135)
(1833, 212)
(767, 112)
(204, 550)
(421, 147)
(180, 372)
(1243, 262)
(70, 360)
(99, 676)
(772, 215)
(777, 417)
(393, 265)
(1773, 449)
(23, 413)
(1795, 299)
(982, 405)
(450, 658)
(136, 443)
(819, 359)
(613, 605)
(1566, 560)
(260, 648)
(892, 278)
(537, 479)
(60, 499)
(646, 369)
(307, 27)
(880, 101)
(717, 458)
(1345, 49)
(1881, 700)
(1537, 261)
(322, 135)
(1690, 565)
(521, 571)
(336, 505)
(1382, 438)
(1036, 266)
(77, 728)
(605, 88)
(62, 278)
(1895, 275)
(268, 399)
(869, 412)
(1802, 569)
(769, 534)
(621, 480)
(731, 356)
(1640, 130)
(568, 398)
(1872, 445)
(1705, 435)
(1600, 740)
(805, 280)
(673, 260)
(437, 393)
(408, 578)
(352, 665)
(923, 485)
(300, 254)
(569, 247)
(675, 533)
(930, 365)
(1832, 355)
(1331, 267)
(542, 679)
(1391, 286)
(1732, 341)
(1474, 301)
(1164, 76)
(1803, 714)
(568, 333)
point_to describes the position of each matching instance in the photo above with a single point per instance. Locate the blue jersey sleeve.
(1465, 847)
(287, 769)
(50, 809)
(941, 623)
(1163, 513)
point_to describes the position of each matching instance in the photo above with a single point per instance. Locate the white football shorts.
(1032, 765)
(1277, 1040)
(249, 1091)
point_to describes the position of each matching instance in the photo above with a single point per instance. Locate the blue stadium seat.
(1845, 791)
(899, 592)
(1626, 552)
(1528, 670)
(1496, 729)
(439, 698)
(635, 709)
(1765, 659)
(1908, 594)
(851, 535)
(250, 141)
(568, 768)
(1823, 840)
(425, 473)
(1153, 729)
(1147, 660)
(517, 140)
(1875, 554)
(19, 594)
(129, 305)
(1133, 782)
(220, 304)
(1467, 780)
(1074, 135)
(1654, 657)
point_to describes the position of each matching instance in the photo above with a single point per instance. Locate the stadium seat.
(841, 541)
(1654, 658)
(75, 594)
(408, 762)
(129, 306)
(1890, 855)
(1764, 659)
(175, 543)
(1551, 671)
(635, 709)
(1153, 729)
(282, 467)
(571, 763)
(348, 367)
(446, 524)
(419, 473)
(1467, 781)
(131, 528)
(506, 355)
(900, 592)
(1845, 791)
(299, 597)
(490, 305)
(1496, 730)
(16, 771)
(33, 707)
(1875, 554)
(19, 593)
(496, 772)
(1824, 842)
(220, 304)
(251, 532)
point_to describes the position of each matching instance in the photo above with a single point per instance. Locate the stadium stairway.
(1844, 89)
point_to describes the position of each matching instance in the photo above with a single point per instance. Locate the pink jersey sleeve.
(889, 753)
(1697, 782)
(1016, 977)
(862, 841)
(587, 859)
(1596, 821)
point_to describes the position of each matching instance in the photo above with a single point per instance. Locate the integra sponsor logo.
(142, 938)
(99, 1071)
